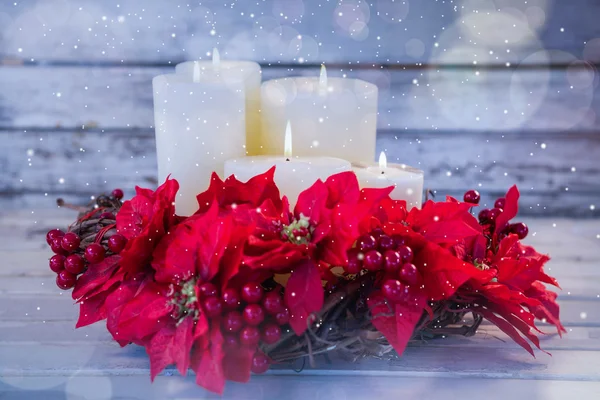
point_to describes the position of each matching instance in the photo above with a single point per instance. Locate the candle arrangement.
(296, 247)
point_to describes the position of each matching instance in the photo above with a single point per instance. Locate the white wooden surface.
(345, 31)
(42, 356)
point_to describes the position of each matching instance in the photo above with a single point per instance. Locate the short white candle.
(407, 181)
(198, 125)
(330, 116)
(292, 174)
(233, 73)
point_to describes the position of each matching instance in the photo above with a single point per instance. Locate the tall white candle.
(407, 181)
(330, 116)
(292, 174)
(233, 73)
(199, 124)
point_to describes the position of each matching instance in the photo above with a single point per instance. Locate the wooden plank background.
(37, 319)
(478, 93)
(76, 100)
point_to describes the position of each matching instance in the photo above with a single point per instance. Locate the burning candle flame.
(287, 144)
(216, 59)
(323, 80)
(382, 161)
(196, 77)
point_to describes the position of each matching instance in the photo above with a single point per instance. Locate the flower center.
(299, 231)
(184, 301)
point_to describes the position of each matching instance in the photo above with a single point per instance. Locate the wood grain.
(295, 31)
(557, 173)
(84, 385)
(437, 99)
(61, 360)
(63, 332)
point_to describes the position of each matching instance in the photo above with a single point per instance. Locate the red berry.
(117, 194)
(53, 234)
(232, 322)
(57, 263)
(472, 196)
(377, 233)
(213, 306)
(231, 341)
(520, 229)
(366, 243)
(394, 290)
(70, 242)
(494, 213)
(283, 317)
(56, 246)
(484, 215)
(253, 314)
(271, 333)
(107, 215)
(409, 274)
(385, 243)
(207, 289)
(354, 263)
(398, 240)
(252, 292)
(74, 264)
(273, 302)
(392, 261)
(250, 336)
(94, 253)
(116, 243)
(373, 260)
(231, 298)
(406, 253)
(65, 280)
(260, 363)
(500, 202)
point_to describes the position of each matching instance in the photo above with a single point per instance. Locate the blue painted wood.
(350, 31)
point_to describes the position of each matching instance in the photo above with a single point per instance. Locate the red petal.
(396, 322)
(207, 360)
(511, 208)
(342, 188)
(254, 192)
(237, 364)
(312, 203)
(303, 295)
(506, 327)
(92, 310)
(194, 247)
(95, 276)
(443, 273)
(548, 308)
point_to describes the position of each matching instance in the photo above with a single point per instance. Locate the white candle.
(234, 73)
(199, 124)
(330, 116)
(292, 174)
(407, 181)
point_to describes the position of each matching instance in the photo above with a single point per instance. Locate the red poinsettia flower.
(143, 220)
(93, 287)
(163, 311)
(202, 246)
(445, 223)
(324, 225)
(232, 194)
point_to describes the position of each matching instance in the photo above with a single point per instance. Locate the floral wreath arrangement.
(246, 282)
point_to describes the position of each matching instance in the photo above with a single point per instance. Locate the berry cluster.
(72, 256)
(380, 252)
(248, 317)
(489, 216)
